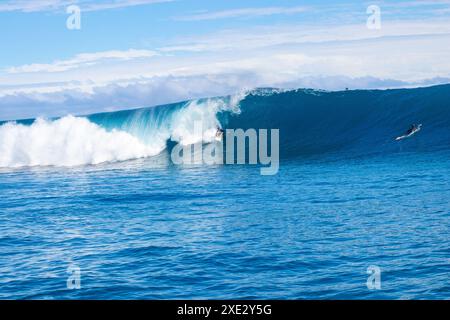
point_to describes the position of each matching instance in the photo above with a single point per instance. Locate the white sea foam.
(180, 125)
(196, 112)
(68, 141)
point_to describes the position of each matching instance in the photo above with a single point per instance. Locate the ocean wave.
(359, 122)
(68, 141)
(110, 137)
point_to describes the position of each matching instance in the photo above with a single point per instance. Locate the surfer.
(412, 129)
(219, 133)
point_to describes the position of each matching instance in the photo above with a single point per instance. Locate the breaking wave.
(359, 122)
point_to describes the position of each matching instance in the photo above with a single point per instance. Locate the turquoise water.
(148, 229)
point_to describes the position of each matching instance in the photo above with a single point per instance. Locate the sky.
(135, 53)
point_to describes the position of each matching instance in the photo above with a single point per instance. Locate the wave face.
(360, 122)
(311, 122)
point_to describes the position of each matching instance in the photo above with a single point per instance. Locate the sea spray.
(69, 141)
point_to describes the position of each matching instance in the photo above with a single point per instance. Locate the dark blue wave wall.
(361, 121)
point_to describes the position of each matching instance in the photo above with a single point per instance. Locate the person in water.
(219, 131)
(411, 129)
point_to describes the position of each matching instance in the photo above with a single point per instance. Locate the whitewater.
(72, 141)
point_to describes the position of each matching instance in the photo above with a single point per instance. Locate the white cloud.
(243, 12)
(83, 60)
(381, 58)
(58, 5)
(260, 37)
(414, 50)
(289, 56)
(168, 89)
(95, 6)
(418, 3)
(31, 6)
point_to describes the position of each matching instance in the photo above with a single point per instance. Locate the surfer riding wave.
(411, 131)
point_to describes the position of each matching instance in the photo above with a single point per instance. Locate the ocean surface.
(99, 194)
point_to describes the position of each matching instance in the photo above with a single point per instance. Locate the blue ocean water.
(137, 226)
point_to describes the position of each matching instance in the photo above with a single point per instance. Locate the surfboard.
(409, 135)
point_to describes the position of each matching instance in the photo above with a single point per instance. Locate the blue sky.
(134, 53)
(40, 35)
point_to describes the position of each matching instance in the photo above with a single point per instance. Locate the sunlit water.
(147, 230)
